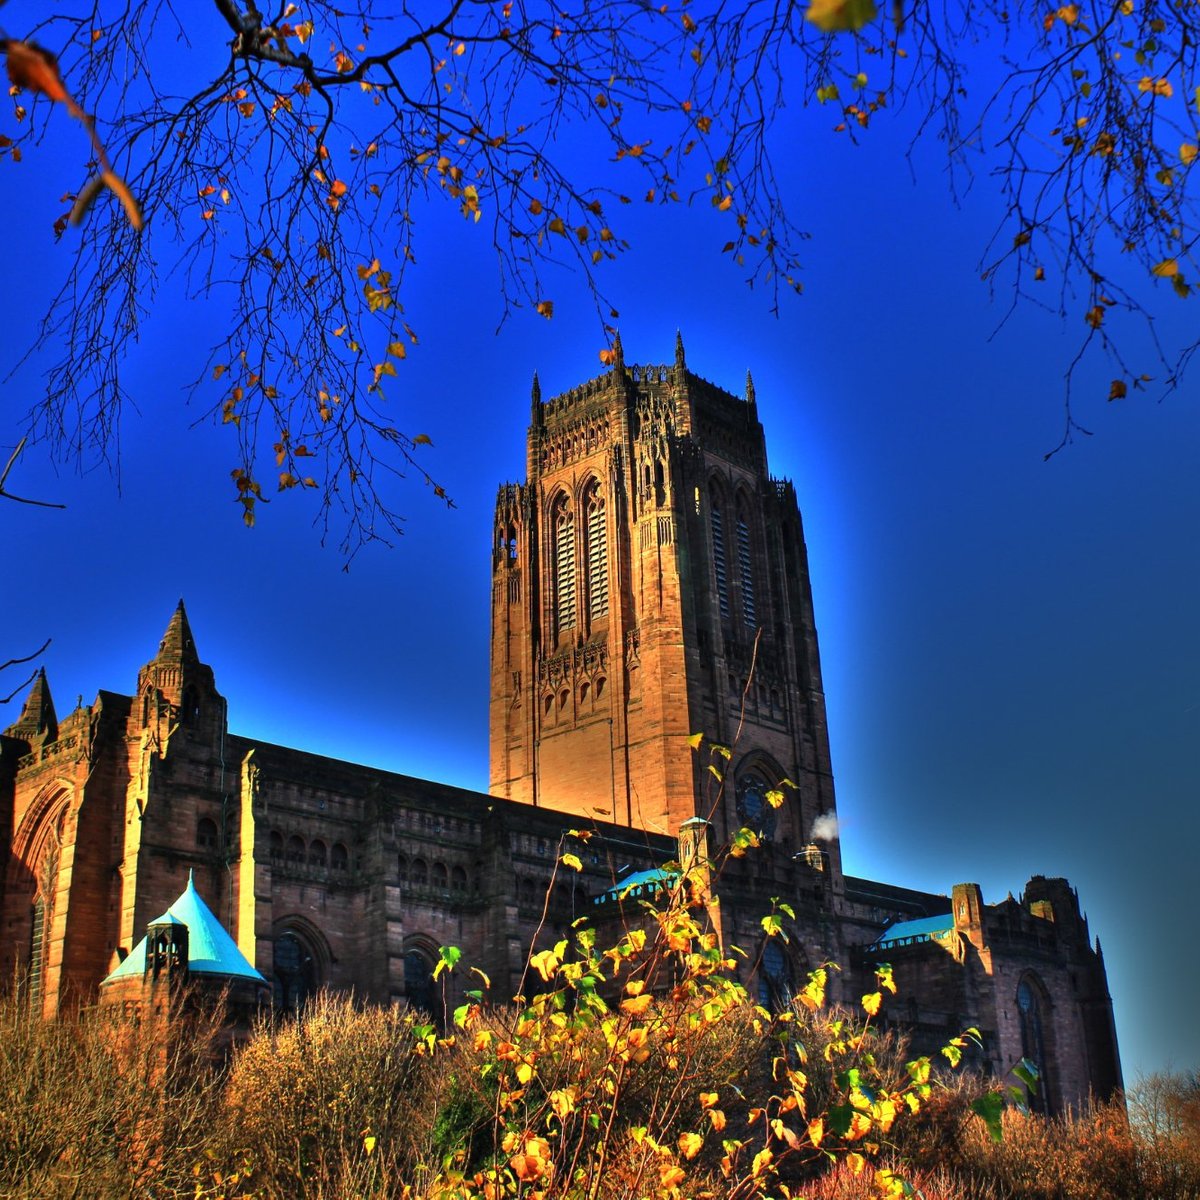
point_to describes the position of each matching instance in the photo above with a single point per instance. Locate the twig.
(21, 500)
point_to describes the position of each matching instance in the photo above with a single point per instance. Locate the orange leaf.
(36, 70)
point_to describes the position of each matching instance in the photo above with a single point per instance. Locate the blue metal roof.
(640, 883)
(211, 951)
(923, 929)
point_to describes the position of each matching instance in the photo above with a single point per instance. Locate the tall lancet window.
(745, 570)
(718, 548)
(563, 525)
(1033, 1039)
(597, 557)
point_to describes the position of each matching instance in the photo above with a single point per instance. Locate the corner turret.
(535, 397)
(37, 723)
(175, 685)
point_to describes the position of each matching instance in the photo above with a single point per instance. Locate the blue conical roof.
(211, 951)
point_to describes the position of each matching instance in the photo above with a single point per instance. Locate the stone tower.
(650, 582)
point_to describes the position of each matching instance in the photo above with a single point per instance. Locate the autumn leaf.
(35, 70)
(546, 308)
(572, 861)
(871, 1003)
(690, 1144)
(1118, 390)
(1167, 269)
(840, 16)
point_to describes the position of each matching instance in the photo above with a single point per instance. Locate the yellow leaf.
(572, 861)
(671, 1176)
(557, 226)
(726, 204)
(422, 439)
(460, 49)
(636, 1005)
(695, 740)
(871, 1003)
(545, 963)
(838, 16)
(1188, 152)
(860, 1126)
(397, 349)
(816, 1131)
(1166, 269)
(369, 1143)
(690, 1144)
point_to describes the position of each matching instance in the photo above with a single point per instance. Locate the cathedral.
(649, 583)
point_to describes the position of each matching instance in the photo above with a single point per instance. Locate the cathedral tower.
(650, 582)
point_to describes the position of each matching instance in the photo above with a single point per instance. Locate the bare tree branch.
(7, 495)
(288, 182)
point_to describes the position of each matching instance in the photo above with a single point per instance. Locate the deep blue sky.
(1010, 646)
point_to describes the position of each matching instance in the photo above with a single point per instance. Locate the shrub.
(327, 1104)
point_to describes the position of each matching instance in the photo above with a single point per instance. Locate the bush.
(329, 1104)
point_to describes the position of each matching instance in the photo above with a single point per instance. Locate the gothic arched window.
(774, 978)
(597, 552)
(562, 525)
(420, 988)
(206, 834)
(1031, 1013)
(297, 973)
(718, 548)
(339, 860)
(745, 568)
(316, 854)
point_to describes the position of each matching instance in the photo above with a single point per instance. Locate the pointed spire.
(618, 353)
(750, 397)
(177, 643)
(680, 362)
(37, 721)
(535, 396)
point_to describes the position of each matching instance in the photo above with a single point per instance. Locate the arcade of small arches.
(294, 851)
(419, 875)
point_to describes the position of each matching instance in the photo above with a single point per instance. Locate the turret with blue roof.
(211, 953)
